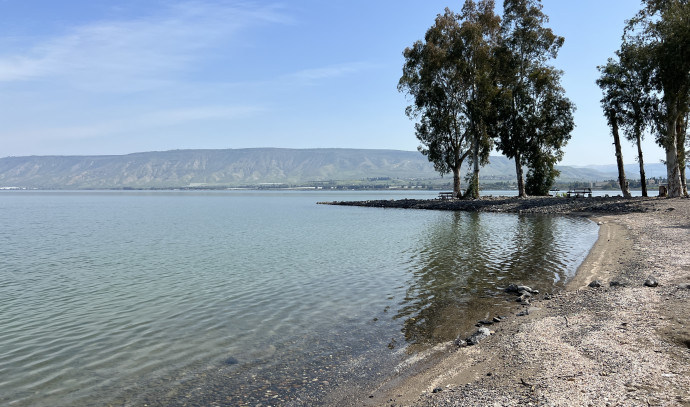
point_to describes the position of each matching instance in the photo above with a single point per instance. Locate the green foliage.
(535, 118)
(448, 76)
(660, 36)
(475, 80)
(614, 86)
(541, 176)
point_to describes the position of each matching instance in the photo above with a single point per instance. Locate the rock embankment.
(543, 205)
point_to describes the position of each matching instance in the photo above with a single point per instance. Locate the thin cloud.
(199, 113)
(140, 123)
(131, 55)
(328, 72)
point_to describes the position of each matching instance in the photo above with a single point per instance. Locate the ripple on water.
(127, 298)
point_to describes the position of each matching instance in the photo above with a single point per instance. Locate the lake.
(247, 297)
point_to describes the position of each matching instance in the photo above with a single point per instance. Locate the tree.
(613, 85)
(681, 135)
(541, 175)
(662, 30)
(480, 31)
(446, 76)
(635, 100)
(535, 118)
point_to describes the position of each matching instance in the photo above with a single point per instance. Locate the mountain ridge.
(245, 167)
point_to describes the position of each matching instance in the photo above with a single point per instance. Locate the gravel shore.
(622, 343)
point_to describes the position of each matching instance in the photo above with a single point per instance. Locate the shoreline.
(618, 344)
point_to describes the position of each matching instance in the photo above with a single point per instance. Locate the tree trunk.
(475, 169)
(643, 178)
(457, 192)
(520, 179)
(680, 141)
(671, 146)
(619, 159)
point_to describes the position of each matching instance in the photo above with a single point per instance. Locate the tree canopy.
(659, 40)
(536, 117)
(612, 82)
(476, 80)
(448, 77)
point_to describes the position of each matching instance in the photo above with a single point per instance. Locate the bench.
(580, 192)
(446, 195)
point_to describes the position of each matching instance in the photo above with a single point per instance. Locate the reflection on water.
(244, 297)
(465, 260)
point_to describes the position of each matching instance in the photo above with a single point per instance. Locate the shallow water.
(241, 297)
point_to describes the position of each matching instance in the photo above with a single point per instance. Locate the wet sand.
(618, 344)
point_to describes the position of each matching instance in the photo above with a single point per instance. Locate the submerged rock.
(524, 298)
(524, 289)
(512, 288)
(231, 361)
(520, 289)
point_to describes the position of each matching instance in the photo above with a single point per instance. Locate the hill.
(241, 167)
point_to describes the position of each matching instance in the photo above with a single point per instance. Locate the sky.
(101, 77)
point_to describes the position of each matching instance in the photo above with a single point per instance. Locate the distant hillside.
(651, 170)
(184, 168)
(240, 167)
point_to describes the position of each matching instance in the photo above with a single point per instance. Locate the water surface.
(245, 297)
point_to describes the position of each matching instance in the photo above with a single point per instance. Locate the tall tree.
(662, 29)
(550, 131)
(446, 76)
(612, 83)
(635, 100)
(480, 30)
(535, 118)
(432, 76)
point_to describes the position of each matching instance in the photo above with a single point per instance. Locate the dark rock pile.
(543, 205)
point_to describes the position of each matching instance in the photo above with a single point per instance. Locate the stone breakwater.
(536, 205)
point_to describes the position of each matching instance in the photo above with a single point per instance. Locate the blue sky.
(115, 77)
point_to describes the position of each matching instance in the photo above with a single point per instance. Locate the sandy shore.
(621, 344)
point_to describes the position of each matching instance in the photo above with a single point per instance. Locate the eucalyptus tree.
(480, 31)
(433, 77)
(448, 77)
(535, 118)
(613, 85)
(662, 30)
(549, 131)
(635, 100)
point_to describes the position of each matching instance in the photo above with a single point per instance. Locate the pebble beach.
(618, 335)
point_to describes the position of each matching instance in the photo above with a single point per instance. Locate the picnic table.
(580, 192)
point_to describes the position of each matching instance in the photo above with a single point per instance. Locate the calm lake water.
(246, 297)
